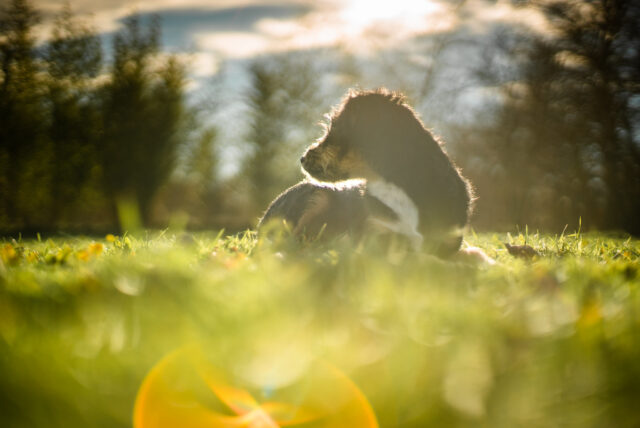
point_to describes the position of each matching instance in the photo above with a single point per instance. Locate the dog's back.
(310, 208)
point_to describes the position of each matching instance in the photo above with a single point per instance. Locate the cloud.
(126, 6)
(181, 26)
(232, 44)
(479, 16)
(180, 18)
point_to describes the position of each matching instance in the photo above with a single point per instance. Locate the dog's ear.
(362, 109)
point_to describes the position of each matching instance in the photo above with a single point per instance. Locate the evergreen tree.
(23, 148)
(202, 163)
(284, 103)
(73, 58)
(143, 112)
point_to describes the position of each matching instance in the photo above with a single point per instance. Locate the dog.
(377, 166)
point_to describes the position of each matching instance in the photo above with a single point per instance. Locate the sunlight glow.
(361, 14)
(357, 24)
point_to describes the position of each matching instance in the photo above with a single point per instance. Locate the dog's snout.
(302, 159)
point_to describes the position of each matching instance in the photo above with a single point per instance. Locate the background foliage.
(91, 138)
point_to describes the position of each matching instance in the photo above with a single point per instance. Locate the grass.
(547, 342)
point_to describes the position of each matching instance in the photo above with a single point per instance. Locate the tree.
(597, 46)
(564, 144)
(284, 102)
(23, 148)
(523, 162)
(202, 162)
(201, 178)
(73, 58)
(143, 111)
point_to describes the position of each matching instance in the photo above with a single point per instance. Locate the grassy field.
(552, 341)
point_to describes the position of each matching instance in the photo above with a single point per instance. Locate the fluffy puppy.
(411, 187)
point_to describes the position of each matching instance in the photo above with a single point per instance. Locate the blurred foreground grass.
(553, 341)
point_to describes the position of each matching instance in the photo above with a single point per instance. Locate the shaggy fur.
(377, 137)
(311, 208)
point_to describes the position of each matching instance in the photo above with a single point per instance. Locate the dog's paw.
(475, 256)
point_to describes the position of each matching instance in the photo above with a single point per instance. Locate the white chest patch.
(401, 204)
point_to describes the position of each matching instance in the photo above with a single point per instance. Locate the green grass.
(548, 342)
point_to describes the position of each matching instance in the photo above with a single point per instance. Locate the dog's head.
(376, 136)
(367, 130)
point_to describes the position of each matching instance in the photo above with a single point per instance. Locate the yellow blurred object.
(187, 390)
(95, 248)
(32, 256)
(82, 255)
(9, 254)
(591, 314)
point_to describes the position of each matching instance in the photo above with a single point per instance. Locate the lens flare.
(186, 389)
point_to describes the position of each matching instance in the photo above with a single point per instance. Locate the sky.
(211, 31)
